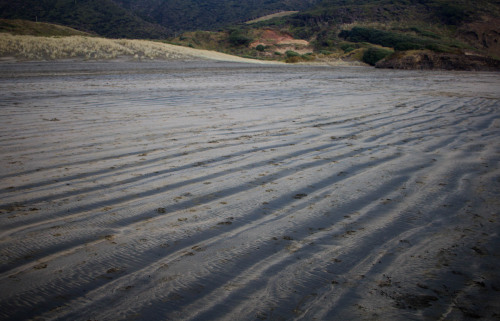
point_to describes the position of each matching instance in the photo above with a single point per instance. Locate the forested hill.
(184, 15)
(102, 17)
(145, 18)
(163, 18)
(324, 21)
(446, 12)
(398, 33)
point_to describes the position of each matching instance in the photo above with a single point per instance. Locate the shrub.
(403, 46)
(260, 48)
(430, 34)
(344, 34)
(379, 37)
(291, 53)
(398, 41)
(238, 38)
(293, 59)
(308, 56)
(373, 55)
(437, 48)
(347, 47)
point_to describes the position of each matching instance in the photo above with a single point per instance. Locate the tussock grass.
(25, 47)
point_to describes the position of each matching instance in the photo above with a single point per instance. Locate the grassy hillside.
(27, 47)
(441, 26)
(145, 18)
(248, 42)
(190, 15)
(102, 17)
(353, 30)
(331, 16)
(25, 27)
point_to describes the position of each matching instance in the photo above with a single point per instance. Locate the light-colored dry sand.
(32, 48)
(211, 191)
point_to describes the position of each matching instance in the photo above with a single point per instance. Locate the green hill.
(145, 18)
(189, 15)
(102, 17)
(25, 27)
(367, 30)
(445, 27)
(419, 17)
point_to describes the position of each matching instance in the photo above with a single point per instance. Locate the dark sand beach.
(202, 190)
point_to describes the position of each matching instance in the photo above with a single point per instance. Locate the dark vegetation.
(368, 30)
(373, 55)
(101, 17)
(238, 37)
(25, 27)
(400, 26)
(323, 21)
(189, 15)
(401, 41)
(144, 18)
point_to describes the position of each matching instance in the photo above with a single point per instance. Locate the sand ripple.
(215, 191)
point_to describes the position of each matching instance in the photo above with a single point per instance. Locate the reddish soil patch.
(272, 37)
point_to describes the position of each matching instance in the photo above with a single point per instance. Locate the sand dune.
(216, 191)
(33, 48)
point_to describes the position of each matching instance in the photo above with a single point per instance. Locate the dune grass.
(26, 47)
